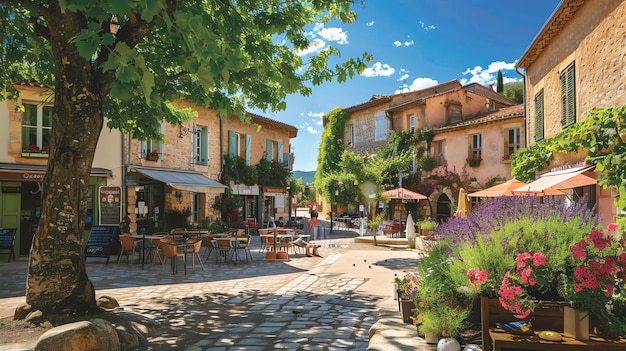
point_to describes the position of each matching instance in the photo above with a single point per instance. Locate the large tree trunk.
(57, 280)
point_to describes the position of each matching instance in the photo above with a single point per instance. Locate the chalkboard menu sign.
(110, 204)
(101, 239)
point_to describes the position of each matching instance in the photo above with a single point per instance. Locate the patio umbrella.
(403, 194)
(506, 189)
(463, 205)
(410, 231)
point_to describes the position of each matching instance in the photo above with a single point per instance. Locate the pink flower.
(612, 226)
(539, 259)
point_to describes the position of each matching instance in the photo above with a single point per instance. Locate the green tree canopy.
(126, 60)
(514, 91)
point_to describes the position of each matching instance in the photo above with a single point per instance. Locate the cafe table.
(151, 239)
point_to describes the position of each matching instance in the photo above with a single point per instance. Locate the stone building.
(575, 63)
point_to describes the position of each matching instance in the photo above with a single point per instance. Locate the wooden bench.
(7, 241)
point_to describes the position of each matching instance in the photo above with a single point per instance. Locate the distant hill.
(307, 176)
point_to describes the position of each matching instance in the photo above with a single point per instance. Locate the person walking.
(313, 224)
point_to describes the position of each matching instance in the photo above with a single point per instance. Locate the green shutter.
(280, 152)
(539, 115)
(268, 149)
(568, 96)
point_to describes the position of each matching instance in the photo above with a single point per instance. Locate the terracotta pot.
(270, 255)
(282, 255)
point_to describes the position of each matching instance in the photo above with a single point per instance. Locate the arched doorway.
(443, 208)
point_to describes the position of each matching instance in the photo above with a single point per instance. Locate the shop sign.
(274, 190)
(23, 176)
(110, 204)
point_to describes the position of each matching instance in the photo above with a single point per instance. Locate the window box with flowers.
(152, 155)
(35, 151)
(474, 161)
(506, 158)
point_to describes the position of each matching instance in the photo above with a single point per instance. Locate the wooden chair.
(207, 242)
(243, 244)
(128, 248)
(224, 249)
(170, 250)
(194, 250)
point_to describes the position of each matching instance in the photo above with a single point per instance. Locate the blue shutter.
(279, 154)
(268, 149)
(232, 144)
(204, 145)
(248, 148)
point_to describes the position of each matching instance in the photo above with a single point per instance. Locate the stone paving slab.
(307, 303)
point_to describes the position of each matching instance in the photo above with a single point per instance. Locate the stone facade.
(591, 36)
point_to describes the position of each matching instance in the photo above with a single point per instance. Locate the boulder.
(93, 335)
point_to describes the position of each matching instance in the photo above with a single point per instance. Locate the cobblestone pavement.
(306, 303)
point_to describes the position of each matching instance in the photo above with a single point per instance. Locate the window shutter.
(568, 96)
(161, 147)
(280, 150)
(268, 149)
(248, 148)
(539, 115)
(143, 148)
(232, 144)
(204, 145)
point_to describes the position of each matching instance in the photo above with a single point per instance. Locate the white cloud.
(398, 43)
(312, 130)
(489, 75)
(317, 117)
(403, 77)
(369, 24)
(315, 46)
(379, 69)
(426, 27)
(418, 84)
(334, 34)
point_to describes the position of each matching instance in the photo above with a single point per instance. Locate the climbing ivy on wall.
(602, 135)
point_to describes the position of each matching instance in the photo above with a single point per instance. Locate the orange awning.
(559, 180)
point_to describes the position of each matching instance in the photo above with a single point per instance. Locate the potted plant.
(406, 288)
(426, 226)
(474, 160)
(153, 155)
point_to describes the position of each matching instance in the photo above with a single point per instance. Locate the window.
(239, 145)
(381, 126)
(36, 128)
(195, 212)
(350, 135)
(201, 146)
(151, 148)
(439, 151)
(539, 115)
(568, 96)
(273, 150)
(476, 145)
(511, 140)
(412, 123)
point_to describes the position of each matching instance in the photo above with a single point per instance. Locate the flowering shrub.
(475, 158)
(407, 286)
(531, 270)
(476, 277)
(600, 267)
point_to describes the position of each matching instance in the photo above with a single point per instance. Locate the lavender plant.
(498, 211)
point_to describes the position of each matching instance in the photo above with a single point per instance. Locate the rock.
(128, 341)
(448, 344)
(33, 315)
(107, 303)
(94, 335)
(22, 311)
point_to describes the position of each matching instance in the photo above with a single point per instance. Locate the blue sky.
(415, 44)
